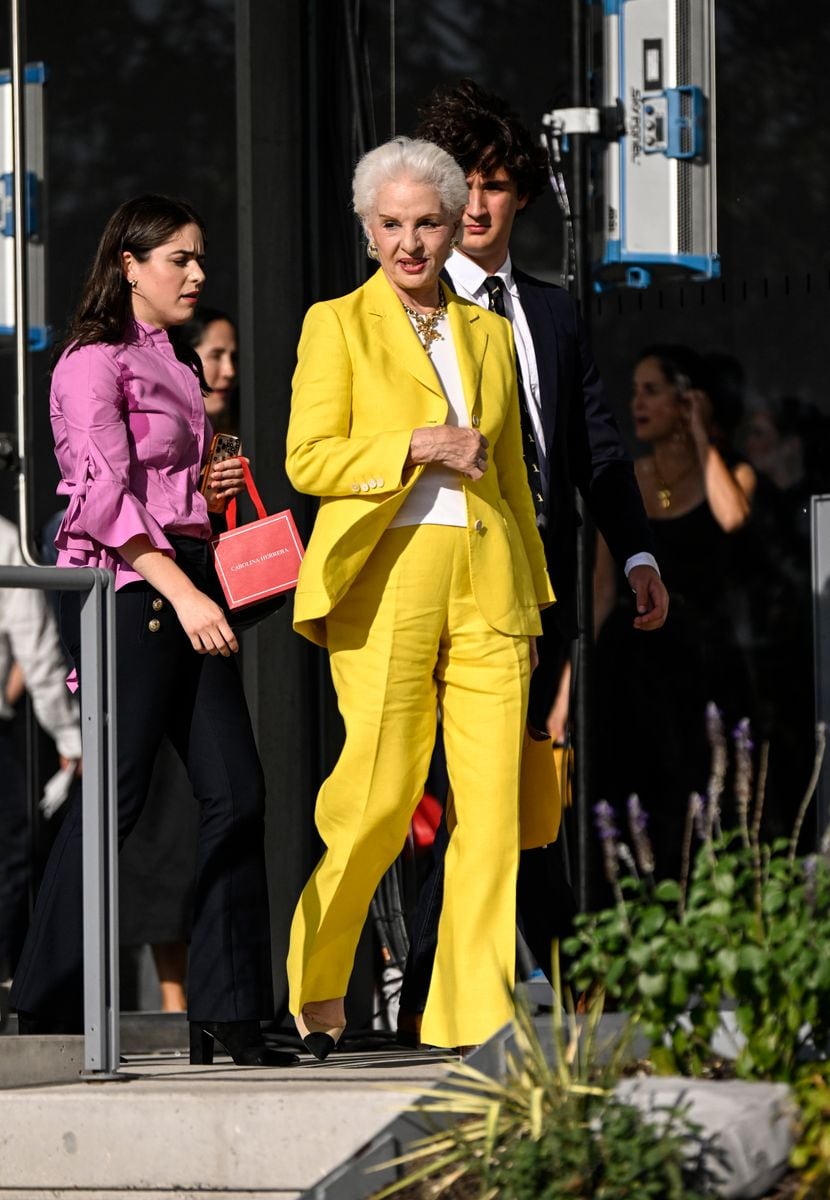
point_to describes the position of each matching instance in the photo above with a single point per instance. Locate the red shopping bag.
(260, 559)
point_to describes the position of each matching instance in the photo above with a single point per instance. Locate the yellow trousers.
(406, 639)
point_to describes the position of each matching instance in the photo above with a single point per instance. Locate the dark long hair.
(105, 311)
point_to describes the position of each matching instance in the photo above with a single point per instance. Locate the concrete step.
(75, 1194)
(223, 1130)
(25, 1061)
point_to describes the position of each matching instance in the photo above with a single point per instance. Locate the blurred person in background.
(788, 443)
(212, 334)
(652, 692)
(31, 658)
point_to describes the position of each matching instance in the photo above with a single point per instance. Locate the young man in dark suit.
(573, 442)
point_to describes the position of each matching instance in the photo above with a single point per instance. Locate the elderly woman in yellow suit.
(423, 577)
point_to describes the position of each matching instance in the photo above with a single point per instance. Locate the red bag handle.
(230, 511)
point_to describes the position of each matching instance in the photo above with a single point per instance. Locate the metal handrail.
(99, 800)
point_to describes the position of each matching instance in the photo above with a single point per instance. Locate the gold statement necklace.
(425, 323)
(664, 489)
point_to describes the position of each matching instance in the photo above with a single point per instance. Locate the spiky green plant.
(550, 1130)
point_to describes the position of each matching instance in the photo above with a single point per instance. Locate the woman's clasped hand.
(462, 450)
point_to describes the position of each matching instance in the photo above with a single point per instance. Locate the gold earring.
(133, 283)
(372, 251)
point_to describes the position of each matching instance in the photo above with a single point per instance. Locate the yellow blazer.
(363, 383)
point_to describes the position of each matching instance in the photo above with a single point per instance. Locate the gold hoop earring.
(372, 251)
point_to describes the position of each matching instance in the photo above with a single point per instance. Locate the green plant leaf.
(668, 891)
(678, 991)
(724, 882)
(687, 961)
(650, 920)
(727, 961)
(751, 958)
(651, 985)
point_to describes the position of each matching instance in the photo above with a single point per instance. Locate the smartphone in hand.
(224, 445)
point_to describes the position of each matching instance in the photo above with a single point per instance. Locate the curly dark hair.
(482, 133)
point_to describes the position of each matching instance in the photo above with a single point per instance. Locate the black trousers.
(545, 901)
(165, 687)
(14, 849)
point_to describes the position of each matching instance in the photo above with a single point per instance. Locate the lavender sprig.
(694, 822)
(698, 810)
(810, 867)
(609, 836)
(638, 825)
(760, 796)
(743, 776)
(627, 859)
(717, 741)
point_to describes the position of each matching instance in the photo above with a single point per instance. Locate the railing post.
(100, 830)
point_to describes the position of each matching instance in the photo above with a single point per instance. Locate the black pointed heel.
(241, 1039)
(319, 1042)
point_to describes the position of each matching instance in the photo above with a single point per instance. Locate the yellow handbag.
(544, 787)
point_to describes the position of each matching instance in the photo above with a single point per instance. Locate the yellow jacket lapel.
(394, 329)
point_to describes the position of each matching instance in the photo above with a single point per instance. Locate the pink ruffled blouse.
(130, 438)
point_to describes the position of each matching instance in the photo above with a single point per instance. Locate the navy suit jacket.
(585, 449)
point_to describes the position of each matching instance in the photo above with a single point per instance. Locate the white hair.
(408, 158)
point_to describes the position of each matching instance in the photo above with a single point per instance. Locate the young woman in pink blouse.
(131, 436)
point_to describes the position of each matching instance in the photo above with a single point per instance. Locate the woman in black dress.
(653, 691)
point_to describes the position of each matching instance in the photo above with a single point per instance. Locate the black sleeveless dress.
(653, 688)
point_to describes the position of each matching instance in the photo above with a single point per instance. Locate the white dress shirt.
(29, 637)
(437, 497)
(468, 281)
